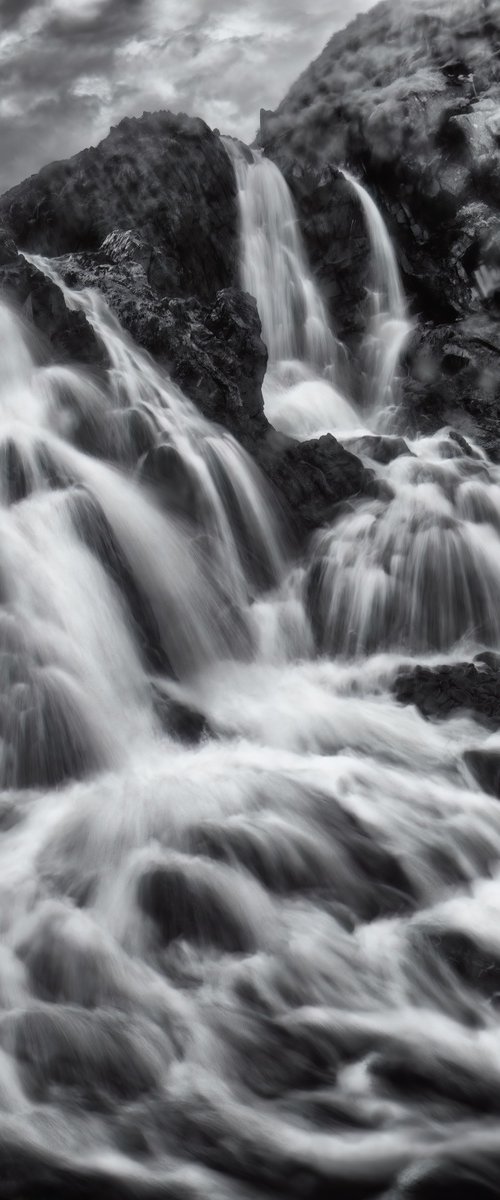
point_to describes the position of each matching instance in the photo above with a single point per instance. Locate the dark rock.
(92, 1052)
(485, 767)
(420, 1078)
(166, 176)
(68, 334)
(474, 1178)
(213, 352)
(190, 900)
(316, 478)
(453, 379)
(92, 526)
(474, 965)
(379, 449)
(442, 691)
(179, 719)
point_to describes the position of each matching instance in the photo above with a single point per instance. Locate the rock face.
(167, 176)
(68, 333)
(409, 98)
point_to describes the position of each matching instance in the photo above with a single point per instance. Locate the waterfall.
(249, 900)
(389, 326)
(302, 391)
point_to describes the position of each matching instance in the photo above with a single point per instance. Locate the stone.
(485, 767)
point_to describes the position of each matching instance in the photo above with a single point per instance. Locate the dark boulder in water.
(191, 899)
(92, 1052)
(379, 449)
(475, 966)
(442, 691)
(485, 767)
(316, 477)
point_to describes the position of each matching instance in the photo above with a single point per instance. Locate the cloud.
(72, 68)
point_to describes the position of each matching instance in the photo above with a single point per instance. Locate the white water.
(389, 326)
(305, 390)
(220, 967)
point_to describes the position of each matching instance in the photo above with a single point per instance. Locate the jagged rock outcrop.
(68, 334)
(453, 688)
(166, 175)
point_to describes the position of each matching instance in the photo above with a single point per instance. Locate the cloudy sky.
(71, 68)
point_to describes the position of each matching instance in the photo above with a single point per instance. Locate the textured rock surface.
(443, 691)
(68, 333)
(167, 176)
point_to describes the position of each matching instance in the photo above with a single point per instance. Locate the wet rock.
(190, 900)
(316, 477)
(485, 767)
(92, 526)
(93, 1053)
(178, 719)
(442, 691)
(214, 352)
(379, 449)
(420, 1078)
(475, 966)
(472, 1178)
(68, 334)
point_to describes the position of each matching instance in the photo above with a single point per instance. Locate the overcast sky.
(71, 68)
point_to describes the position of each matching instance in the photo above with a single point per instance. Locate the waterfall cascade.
(265, 964)
(389, 326)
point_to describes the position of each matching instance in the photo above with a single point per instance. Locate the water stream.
(267, 963)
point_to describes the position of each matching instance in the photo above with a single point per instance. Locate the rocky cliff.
(408, 97)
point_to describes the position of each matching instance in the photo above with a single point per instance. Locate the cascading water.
(267, 964)
(302, 393)
(389, 326)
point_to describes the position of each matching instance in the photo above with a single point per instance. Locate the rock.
(68, 334)
(92, 1052)
(485, 767)
(453, 378)
(179, 719)
(189, 899)
(443, 691)
(379, 449)
(316, 477)
(167, 177)
(214, 352)
(476, 966)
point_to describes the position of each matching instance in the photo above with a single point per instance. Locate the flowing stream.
(266, 963)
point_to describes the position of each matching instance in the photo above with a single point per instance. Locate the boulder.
(443, 691)
(484, 765)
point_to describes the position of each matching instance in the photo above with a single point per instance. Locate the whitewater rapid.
(225, 966)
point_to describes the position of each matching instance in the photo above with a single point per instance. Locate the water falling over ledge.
(265, 964)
